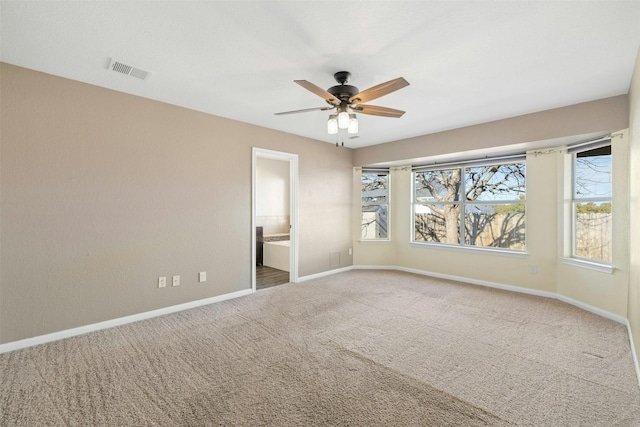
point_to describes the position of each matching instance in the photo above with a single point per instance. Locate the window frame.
(377, 171)
(462, 202)
(574, 151)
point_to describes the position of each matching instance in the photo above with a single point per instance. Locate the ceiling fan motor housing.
(343, 91)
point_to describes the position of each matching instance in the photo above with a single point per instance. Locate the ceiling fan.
(344, 98)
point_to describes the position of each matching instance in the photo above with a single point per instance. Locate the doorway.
(274, 218)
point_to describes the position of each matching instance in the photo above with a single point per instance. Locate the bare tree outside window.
(475, 206)
(437, 210)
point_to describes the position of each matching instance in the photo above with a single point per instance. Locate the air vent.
(129, 70)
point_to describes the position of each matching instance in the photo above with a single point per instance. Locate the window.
(375, 204)
(476, 204)
(591, 203)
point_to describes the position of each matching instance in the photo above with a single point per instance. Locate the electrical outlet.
(350, 251)
(162, 282)
(202, 277)
(533, 269)
(176, 280)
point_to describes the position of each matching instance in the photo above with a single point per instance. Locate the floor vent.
(129, 70)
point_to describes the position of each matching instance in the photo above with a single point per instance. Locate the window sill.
(604, 268)
(475, 250)
(377, 241)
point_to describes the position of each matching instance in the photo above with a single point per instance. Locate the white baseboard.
(536, 292)
(592, 309)
(633, 352)
(29, 342)
(375, 267)
(488, 284)
(324, 274)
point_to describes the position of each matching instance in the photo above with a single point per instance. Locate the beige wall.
(634, 229)
(273, 195)
(605, 115)
(103, 192)
(607, 291)
(272, 187)
(545, 227)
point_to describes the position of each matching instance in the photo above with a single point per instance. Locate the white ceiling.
(467, 62)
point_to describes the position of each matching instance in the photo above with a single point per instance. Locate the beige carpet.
(363, 348)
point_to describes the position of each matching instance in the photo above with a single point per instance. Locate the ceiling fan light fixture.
(332, 124)
(353, 124)
(343, 119)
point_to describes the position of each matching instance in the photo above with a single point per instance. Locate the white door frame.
(293, 209)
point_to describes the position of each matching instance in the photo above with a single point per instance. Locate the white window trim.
(375, 241)
(591, 265)
(509, 253)
(573, 259)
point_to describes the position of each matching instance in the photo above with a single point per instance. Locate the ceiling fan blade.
(374, 110)
(304, 110)
(379, 90)
(318, 91)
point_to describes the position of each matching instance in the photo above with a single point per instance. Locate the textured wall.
(102, 192)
